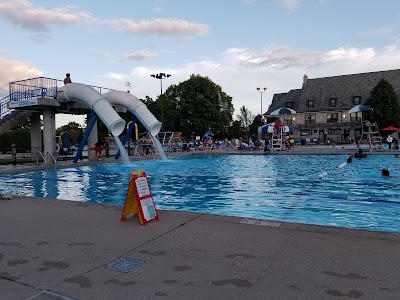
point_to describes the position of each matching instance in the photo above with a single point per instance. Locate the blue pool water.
(305, 189)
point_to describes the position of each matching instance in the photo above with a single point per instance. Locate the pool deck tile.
(64, 246)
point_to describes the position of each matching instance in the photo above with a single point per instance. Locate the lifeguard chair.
(370, 135)
(278, 136)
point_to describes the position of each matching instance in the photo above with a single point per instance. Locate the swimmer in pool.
(359, 154)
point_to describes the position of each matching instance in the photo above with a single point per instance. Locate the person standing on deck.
(67, 79)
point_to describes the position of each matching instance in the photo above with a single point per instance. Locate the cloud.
(158, 7)
(22, 14)
(11, 70)
(248, 2)
(139, 55)
(159, 27)
(280, 58)
(101, 53)
(291, 4)
(378, 32)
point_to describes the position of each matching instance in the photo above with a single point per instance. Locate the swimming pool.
(308, 189)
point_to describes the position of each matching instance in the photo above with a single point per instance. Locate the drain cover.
(124, 264)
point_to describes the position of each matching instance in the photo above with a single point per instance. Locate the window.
(332, 102)
(305, 132)
(288, 121)
(310, 119)
(289, 104)
(356, 117)
(310, 103)
(356, 100)
(332, 118)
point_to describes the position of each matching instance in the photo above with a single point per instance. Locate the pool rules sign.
(139, 200)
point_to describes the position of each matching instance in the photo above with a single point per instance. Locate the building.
(322, 105)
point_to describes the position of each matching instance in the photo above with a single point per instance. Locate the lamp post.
(261, 92)
(161, 76)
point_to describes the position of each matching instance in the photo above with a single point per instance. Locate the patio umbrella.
(391, 128)
(282, 111)
(269, 128)
(360, 107)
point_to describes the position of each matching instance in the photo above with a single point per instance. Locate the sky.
(239, 44)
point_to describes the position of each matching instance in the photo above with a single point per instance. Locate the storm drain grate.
(124, 264)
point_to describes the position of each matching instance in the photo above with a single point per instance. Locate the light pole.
(128, 84)
(261, 92)
(161, 76)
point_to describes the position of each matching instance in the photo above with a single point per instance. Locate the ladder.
(277, 139)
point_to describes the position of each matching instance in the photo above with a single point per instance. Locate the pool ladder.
(44, 158)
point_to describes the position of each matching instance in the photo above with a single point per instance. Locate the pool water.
(308, 189)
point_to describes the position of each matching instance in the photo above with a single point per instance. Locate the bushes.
(20, 137)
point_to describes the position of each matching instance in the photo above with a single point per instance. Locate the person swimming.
(385, 172)
(348, 161)
(359, 154)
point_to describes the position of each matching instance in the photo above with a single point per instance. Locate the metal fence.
(39, 87)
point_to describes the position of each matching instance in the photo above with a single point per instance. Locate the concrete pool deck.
(53, 249)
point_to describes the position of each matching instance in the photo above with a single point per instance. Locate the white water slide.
(101, 105)
(136, 107)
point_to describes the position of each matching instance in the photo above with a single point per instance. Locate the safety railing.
(39, 87)
(54, 159)
(33, 88)
(37, 159)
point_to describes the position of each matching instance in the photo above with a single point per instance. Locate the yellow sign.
(139, 200)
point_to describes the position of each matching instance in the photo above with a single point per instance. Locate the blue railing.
(39, 87)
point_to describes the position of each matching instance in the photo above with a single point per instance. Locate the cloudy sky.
(239, 44)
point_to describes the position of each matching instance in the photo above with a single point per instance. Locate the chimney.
(305, 78)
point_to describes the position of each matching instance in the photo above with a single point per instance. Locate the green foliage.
(74, 130)
(245, 117)
(235, 130)
(194, 106)
(21, 137)
(385, 104)
(253, 128)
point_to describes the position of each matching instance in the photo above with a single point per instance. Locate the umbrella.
(282, 111)
(360, 107)
(391, 128)
(269, 128)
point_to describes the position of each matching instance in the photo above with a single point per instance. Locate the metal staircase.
(11, 117)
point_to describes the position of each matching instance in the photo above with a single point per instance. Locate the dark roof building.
(344, 88)
(322, 104)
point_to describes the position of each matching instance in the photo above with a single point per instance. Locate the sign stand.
(139, 200)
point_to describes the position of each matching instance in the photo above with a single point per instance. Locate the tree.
(385, 104)
(245, 117)
(235, 130)
(196, 105)
(74, 130)
(253, 128)
(20, 137)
